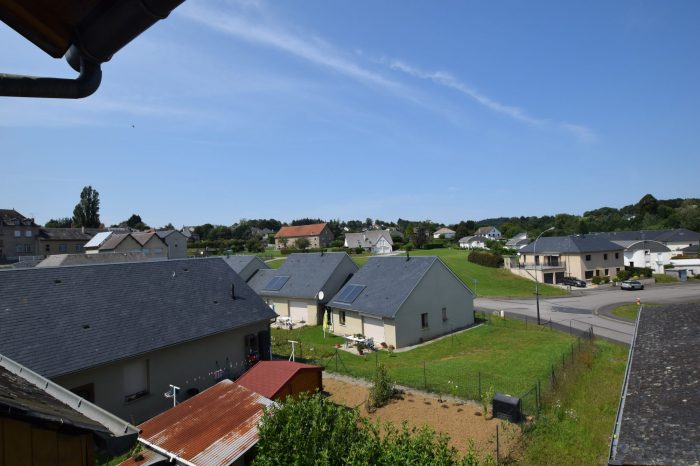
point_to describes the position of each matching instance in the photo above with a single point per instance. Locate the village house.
(552, 258)
(176, 243)
(120, 334)
(374, 241)
(18, 236)
(490, 232)
(147, 242)
(318, 235)
(473, 242)
(302, 286)
(402, 301)
(444, 233)
(245, 265)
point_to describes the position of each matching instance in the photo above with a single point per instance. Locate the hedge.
(485, 258)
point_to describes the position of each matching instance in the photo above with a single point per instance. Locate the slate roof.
(269, 377)
(162, 234)
(11, 217)
(691, 249)
(67, 234)
(240, 262)
(444, 231)
(64, 260)
(665, 236)
(129, 309)
(517, 240)
(388, 282)
(475, 238)
(143, 237)
(575, 244)
(213, 428)
(636, 245)
(301, 230)
(113, 241)
(367, 239)
(308, 273)
(484, 230)
(659, 418)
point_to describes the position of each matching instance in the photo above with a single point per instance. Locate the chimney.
(233, 291)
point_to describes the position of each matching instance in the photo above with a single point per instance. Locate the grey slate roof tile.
(388, 282)
(240, 262)
(308, 273)
(660, 420)
(571, 244)
(131, 309)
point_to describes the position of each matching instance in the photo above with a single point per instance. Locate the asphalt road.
(580, 309)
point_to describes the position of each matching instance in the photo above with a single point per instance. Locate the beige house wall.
(49, 247)
(313, 310)
(188, 365)
(438, 289)
(574, 265)
(323, 240)
(9, 242)
(353, 322)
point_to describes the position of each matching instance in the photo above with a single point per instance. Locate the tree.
(136, 223)
(87, 211)
(582, 228)
(168, 226)
(309, 430)
(255, 244)
(63, 222)
(303, 243)
(647, 205)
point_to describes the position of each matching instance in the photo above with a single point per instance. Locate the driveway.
(580, 312)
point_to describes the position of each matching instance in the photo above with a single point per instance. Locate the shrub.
(359, 250)
(623, 275)
(606, 279)
(408, 246)
(485, 258)
(487, 399)
(381, 391)
(434, 245)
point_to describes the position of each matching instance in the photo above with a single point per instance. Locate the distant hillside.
(647, 214)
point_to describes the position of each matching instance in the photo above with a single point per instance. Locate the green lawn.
(578, 419)
(504, 353)
(490, 281)
(664, 278)
(629, 311)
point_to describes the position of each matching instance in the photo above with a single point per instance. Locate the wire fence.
(444, 377)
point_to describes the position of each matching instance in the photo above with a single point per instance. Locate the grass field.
(578, 418)
(664, 278)
(490, 281)
(629, 311)
(504, 353)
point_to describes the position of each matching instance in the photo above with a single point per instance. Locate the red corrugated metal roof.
(213, 428)
(301, 230)
(144, 458)
(269, 377)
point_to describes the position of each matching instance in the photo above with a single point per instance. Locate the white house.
(518, 241)
(473, 242)
(375, 241)
(490, 232)
(649, 254)
(402, 301)
(448, 234)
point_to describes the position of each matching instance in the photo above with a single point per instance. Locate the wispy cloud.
(314, 49)
(448, 80)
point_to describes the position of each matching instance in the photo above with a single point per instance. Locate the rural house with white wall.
(402, 301)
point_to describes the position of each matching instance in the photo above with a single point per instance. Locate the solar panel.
(276, 283)
(350, 293)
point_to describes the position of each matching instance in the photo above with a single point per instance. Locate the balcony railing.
(544, 265)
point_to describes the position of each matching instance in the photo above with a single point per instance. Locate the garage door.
(298, 311)
(373, 328)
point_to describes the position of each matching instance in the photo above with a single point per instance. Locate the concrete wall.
(177, 245)
(9, 242)
(155, 247)
(188, 365)
(438, 289)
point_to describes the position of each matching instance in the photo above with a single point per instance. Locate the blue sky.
(420, 110)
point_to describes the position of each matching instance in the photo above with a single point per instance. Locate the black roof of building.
(307, 272)
(665, 236)
(659, 418)
(68, 234)
(240, 262)
(387, 282)
(61, 320)
(691, 249)
(575, 244)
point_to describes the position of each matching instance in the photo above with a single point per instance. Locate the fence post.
(301, 350)
(579, 344)
(563, 360)
(570, 329)
(376, 358)
(553, 378)
(539, 394)
(497, 445)
(525, 323)
(425, 379)
(572, 352)
(479, 384)
(336, 359)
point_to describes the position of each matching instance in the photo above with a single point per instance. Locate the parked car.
(631, 285)
(573, 281)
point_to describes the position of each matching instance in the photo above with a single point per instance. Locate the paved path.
(581, 311)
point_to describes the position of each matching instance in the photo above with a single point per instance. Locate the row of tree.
(648, 213)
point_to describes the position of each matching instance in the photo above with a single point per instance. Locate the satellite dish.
(320, 295)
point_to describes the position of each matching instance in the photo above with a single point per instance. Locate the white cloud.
(448, 80)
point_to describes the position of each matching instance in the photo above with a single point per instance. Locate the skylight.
(350, 293)
(276, 283)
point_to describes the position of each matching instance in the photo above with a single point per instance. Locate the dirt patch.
(461, 421)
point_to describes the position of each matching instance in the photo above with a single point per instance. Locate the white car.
(631, 285)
